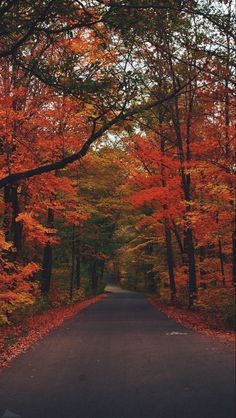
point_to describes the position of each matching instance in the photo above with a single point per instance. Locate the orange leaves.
(35, 231)
(92, 50)
(18, 274)
(37, 126)
(16, 290)
(75, 218)
(27, 271)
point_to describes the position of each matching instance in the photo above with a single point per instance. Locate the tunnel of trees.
(116, 151)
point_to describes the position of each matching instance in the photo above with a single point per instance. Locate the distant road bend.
(121, 358)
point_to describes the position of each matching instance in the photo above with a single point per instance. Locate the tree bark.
(12, 229)
(168, 238)
(78, 264)
(94, 277)
(221, 257)
(78, 271)
(202, 255)
(192, 282)
(16, 226)
(72, 263)
(179, 241)
(47, 259)
(234, 257)
(7, 212)
(170, 261)
(186, 185)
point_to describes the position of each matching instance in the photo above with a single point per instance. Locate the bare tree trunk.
(189, 242)
(16, 226)
(72, 263)
(191, 266)
(78, 264)
(12, 229)
(7, 217)
(202, 255)
(168, 238)
(170, 261)
(234, 256)
(221, 257)
(94, 277)
(227, 125)
(47, 259)
(179, 241)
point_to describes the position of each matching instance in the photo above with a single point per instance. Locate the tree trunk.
(221, 257)
(94, 277)
(72, 263)
(168, 238)
(185, 156)
(192, 285)
(47, 259)
(202, 255)
(179, 241)
(102, 266)
(12, 229)
(234, 257)
(7, 217)
(16, 226)
(170, 261)
(151, 282)
(78, 264)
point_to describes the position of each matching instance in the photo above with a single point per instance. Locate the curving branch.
(122, 116)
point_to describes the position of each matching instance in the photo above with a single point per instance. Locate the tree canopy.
(116, 147)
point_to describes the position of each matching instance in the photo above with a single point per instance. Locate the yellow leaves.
(3, 320)
(16, 289)
(140, 247)
(222, 192)
(90, 110)
(4, 245)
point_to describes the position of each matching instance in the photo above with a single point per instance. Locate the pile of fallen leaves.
(195, 320)
(15, 339)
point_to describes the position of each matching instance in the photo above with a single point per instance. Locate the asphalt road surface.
(121, 358)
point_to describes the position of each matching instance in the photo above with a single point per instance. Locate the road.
(121, 358)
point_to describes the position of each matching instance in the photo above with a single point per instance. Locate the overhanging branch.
(122, 116)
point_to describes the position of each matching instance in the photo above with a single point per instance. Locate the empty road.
(121, 358)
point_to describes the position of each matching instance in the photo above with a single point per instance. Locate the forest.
(117, 122)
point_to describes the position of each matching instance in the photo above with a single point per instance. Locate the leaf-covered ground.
(15, 339)
(197, 321)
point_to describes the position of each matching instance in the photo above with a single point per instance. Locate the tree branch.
(122, 116)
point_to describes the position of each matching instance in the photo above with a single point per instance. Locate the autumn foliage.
(116, 149)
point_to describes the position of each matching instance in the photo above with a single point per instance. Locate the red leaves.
(198, 321)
